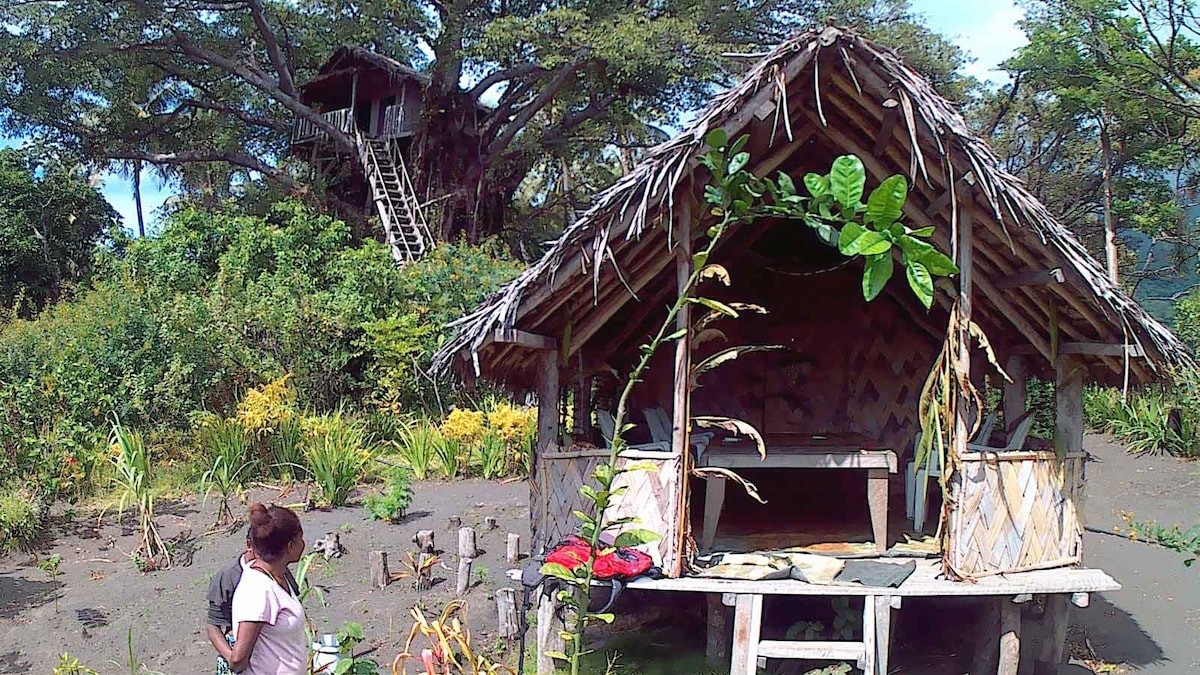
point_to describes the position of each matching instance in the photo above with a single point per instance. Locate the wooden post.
(490, 523)
(424, 580)
(353, 98)
(379, 569)
(424, 541)
(963, 246)
(681, 394)
(512, 551)
(453, 523)
(547, 437)
(1054, 635)
(581, 412)
(1068, 405)
(747, 629)
(1014, 392)
(1010, 637)
(883, 632)
(466, 543)
(717, 649)
(548, 627)
(463, 582)
(506, 614)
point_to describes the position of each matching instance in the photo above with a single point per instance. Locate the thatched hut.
(849, 368)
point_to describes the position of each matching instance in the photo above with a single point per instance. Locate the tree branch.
(271, 41)
(241, 159)
(504, 76)
(526, 113)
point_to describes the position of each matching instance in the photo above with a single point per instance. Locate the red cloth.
(621, 563)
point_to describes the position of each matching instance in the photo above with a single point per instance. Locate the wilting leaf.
(716, 306)
(708, 335)
(741, 307)
(750, 488)
(733, 425)
(726, 355)
(717, 272)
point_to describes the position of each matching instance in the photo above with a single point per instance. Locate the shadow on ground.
(18, 595)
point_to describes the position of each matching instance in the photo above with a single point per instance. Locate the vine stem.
(618, 440)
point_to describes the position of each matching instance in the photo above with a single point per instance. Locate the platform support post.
(1054, 635)
(747, 629)
(717, 649)
(1010, 638)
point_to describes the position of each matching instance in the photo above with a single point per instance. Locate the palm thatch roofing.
(828, 92)
(346, 57)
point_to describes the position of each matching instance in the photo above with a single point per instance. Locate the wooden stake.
(424, 541)
(466, 543)
(512, 551)
(1054, 637)
(549, 626)
(464, 577)
(1010, 638)
(454, 523)
(424, 580)
(718, 630)
(490, 523)
(506, 614)
(379, 569)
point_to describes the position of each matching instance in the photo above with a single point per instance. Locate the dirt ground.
(1151, 626)
(102, 596)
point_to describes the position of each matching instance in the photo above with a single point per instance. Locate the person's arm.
(218, 641)
(247, 636)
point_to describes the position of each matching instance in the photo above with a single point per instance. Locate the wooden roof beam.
(522, 338)
(1093, 349)
(891, 112)
(1032, 278)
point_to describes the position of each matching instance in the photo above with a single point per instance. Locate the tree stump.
(380, 577)
(513, 551)
(424, 541)
(464, 577)
(424, 580)
(491, 523)
(454, 522)
(506, 613)
(466, 543)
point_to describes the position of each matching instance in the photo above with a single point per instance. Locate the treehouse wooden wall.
(847, 365)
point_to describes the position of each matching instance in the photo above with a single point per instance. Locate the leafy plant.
(418, 448)
(1174, 538)
(350, 636)
(228, 447)
(1155, 420)
(71, 665)
(449, 454)
(21, 519)
(393, 504)
(131, 462)
(338, 453)
(286, 450)
(51, 567)
(493, 455)
(304, 583)
(443, 645)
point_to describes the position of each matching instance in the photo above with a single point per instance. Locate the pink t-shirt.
(282, 648)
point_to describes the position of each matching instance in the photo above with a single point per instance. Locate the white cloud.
(991, 40)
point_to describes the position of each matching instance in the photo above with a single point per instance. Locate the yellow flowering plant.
(262, 410)
(463, 426)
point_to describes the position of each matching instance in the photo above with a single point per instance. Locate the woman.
(268, 620)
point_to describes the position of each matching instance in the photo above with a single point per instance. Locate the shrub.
(231, 462)
(338, 452)
(21, 520)
(286, 450)
(1156, 419)
(463, 426)
(131, 462)
(493, 455)
(449, 456)
(393, 504)
(418, 447)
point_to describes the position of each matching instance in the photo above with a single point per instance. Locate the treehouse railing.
(395, 122)
(304, 130)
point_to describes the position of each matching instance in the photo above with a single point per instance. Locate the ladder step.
(834, 651)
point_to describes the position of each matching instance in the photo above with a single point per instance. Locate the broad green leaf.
(850, 233)
(739, 143)
(699, 259)
(876, 275)
(557, 571)
(739, 162)
(645, 465)
(606, 617)
(630, 538)
(717, 138)
(868, 242)
(847, 178)
(716, 306)
(786, 187)
(818, 185)
(922, 232)
(921, 282)
(676, 335)
(938, 263)
(583, 517)
(886, 203)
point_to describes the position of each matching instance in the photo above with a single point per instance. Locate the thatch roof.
(392, 67)
(838, 91)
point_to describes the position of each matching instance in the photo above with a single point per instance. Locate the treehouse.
(376, 102)
(837, 399)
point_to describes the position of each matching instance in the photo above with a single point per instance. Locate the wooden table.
(801, 451)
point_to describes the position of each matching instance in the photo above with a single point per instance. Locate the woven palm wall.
(653, 497)
(1014, 511)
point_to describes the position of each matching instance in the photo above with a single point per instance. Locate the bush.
(230, 460)
(1155, 420)
(418, 447)
(393, 504)
(338, 452)
(22, 518)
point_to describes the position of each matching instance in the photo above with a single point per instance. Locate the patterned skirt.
(222, 664)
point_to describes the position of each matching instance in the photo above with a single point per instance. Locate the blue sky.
(987, 29)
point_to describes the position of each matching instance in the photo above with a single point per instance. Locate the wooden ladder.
(405, 230)
(870, 654)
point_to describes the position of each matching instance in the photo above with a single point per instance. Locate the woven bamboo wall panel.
(653, 497)
(1014, 514)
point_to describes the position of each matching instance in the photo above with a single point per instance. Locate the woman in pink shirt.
(268, 618)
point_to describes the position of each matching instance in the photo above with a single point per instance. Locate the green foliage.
(231, 462)
(131, 462)
(493, 456)
(1155, 420)
(417, 447)
(71, 665)
(21, 520)
(51, 219)
(303, 574)
(51, 567)
(449, 455)
(393, 504)
(1174, 538)
(1187, 320)
(350, 636)
(338, 453)
(286, 450)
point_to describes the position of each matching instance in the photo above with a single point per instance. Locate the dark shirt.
(220, 593)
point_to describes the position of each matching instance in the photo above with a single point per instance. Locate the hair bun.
(259, 514)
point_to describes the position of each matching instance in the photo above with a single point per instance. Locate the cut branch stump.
(512, 551)
(490, 523)
(453, 523)
(464, 577)
(424, 541)
(506, 613)
(380, 577)
(424, 572)
(466, 543)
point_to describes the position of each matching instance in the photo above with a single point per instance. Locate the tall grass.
(1155, 420)
(449, 456)
(417, 448)
(493, 456)
(131, 464)
(286, 451)
(231, 463)
(339, 451)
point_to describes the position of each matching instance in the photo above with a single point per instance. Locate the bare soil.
(102, 596)
(1150, 626)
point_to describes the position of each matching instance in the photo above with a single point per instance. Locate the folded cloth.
(813, 569)
(876, 574)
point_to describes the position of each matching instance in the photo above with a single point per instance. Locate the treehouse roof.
(345, 61)
(830, 92)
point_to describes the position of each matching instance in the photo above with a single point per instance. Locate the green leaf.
(922, 232)
(699, 259)
(847, 178)
(644, 465)
(850, 233)
(738, 144)
(886, 203)
(717, 138)
(606, 617)
(786, 187)
(938, 263)
(716, 306)
(557, 571)
(630, 538)
(857, 240)
(876, 275)
(557, 655)
(739, 162)
(921, 282)
(818, 185)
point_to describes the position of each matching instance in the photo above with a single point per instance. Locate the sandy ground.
(102, 596)
(1151, 626)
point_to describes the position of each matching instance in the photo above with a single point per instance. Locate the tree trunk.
(1110, 229)
(137, 198)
